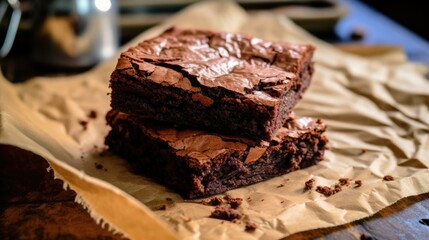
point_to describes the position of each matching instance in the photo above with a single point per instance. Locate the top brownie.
(224, 82)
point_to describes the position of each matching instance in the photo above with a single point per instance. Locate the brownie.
(224, 82)
(198, 163)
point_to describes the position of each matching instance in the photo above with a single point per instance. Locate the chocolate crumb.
(282, 201)
(98, 165)
(169, 199)
(236, 221)
(325, 190)
(163, 207)
(92, 114)
(108, 94)
(281, 185)
(344, 181)
(226, 213)
(251, 226)
(233, 202)
(363, 236)
(215, 201)
(358, 183)
(309, 184)
(338, 188)
(388, 178)
(262, 200)
(84, 124)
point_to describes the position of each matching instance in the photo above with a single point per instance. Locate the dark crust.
(202, 172)
(159, 86)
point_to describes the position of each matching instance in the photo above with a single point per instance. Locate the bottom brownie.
(197, 163)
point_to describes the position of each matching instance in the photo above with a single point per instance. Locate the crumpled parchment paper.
(377, 112)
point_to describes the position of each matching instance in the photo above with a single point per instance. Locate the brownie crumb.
(338, 188)
(363, 236)
(84, 124)
(236, 221)
(213, 201)
(281, 185)
(388, 178)
(282, 201)
(233, 202)
(236, 203)
(226, 213)
(358, 183)
(325, 190)
(309, 184)
(163, 207)
(92, 114)
(251, 226)
(98, 165)
(344, 181)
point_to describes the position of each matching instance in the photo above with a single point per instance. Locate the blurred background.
(74, 35)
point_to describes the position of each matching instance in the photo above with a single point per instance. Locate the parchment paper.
(377, 113)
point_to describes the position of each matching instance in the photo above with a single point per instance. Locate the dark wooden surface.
(35, 206)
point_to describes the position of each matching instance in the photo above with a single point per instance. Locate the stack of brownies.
(204, 112)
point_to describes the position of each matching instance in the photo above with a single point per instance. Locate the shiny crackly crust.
(190, 59)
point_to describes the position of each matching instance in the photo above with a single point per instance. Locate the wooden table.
(35, 206)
